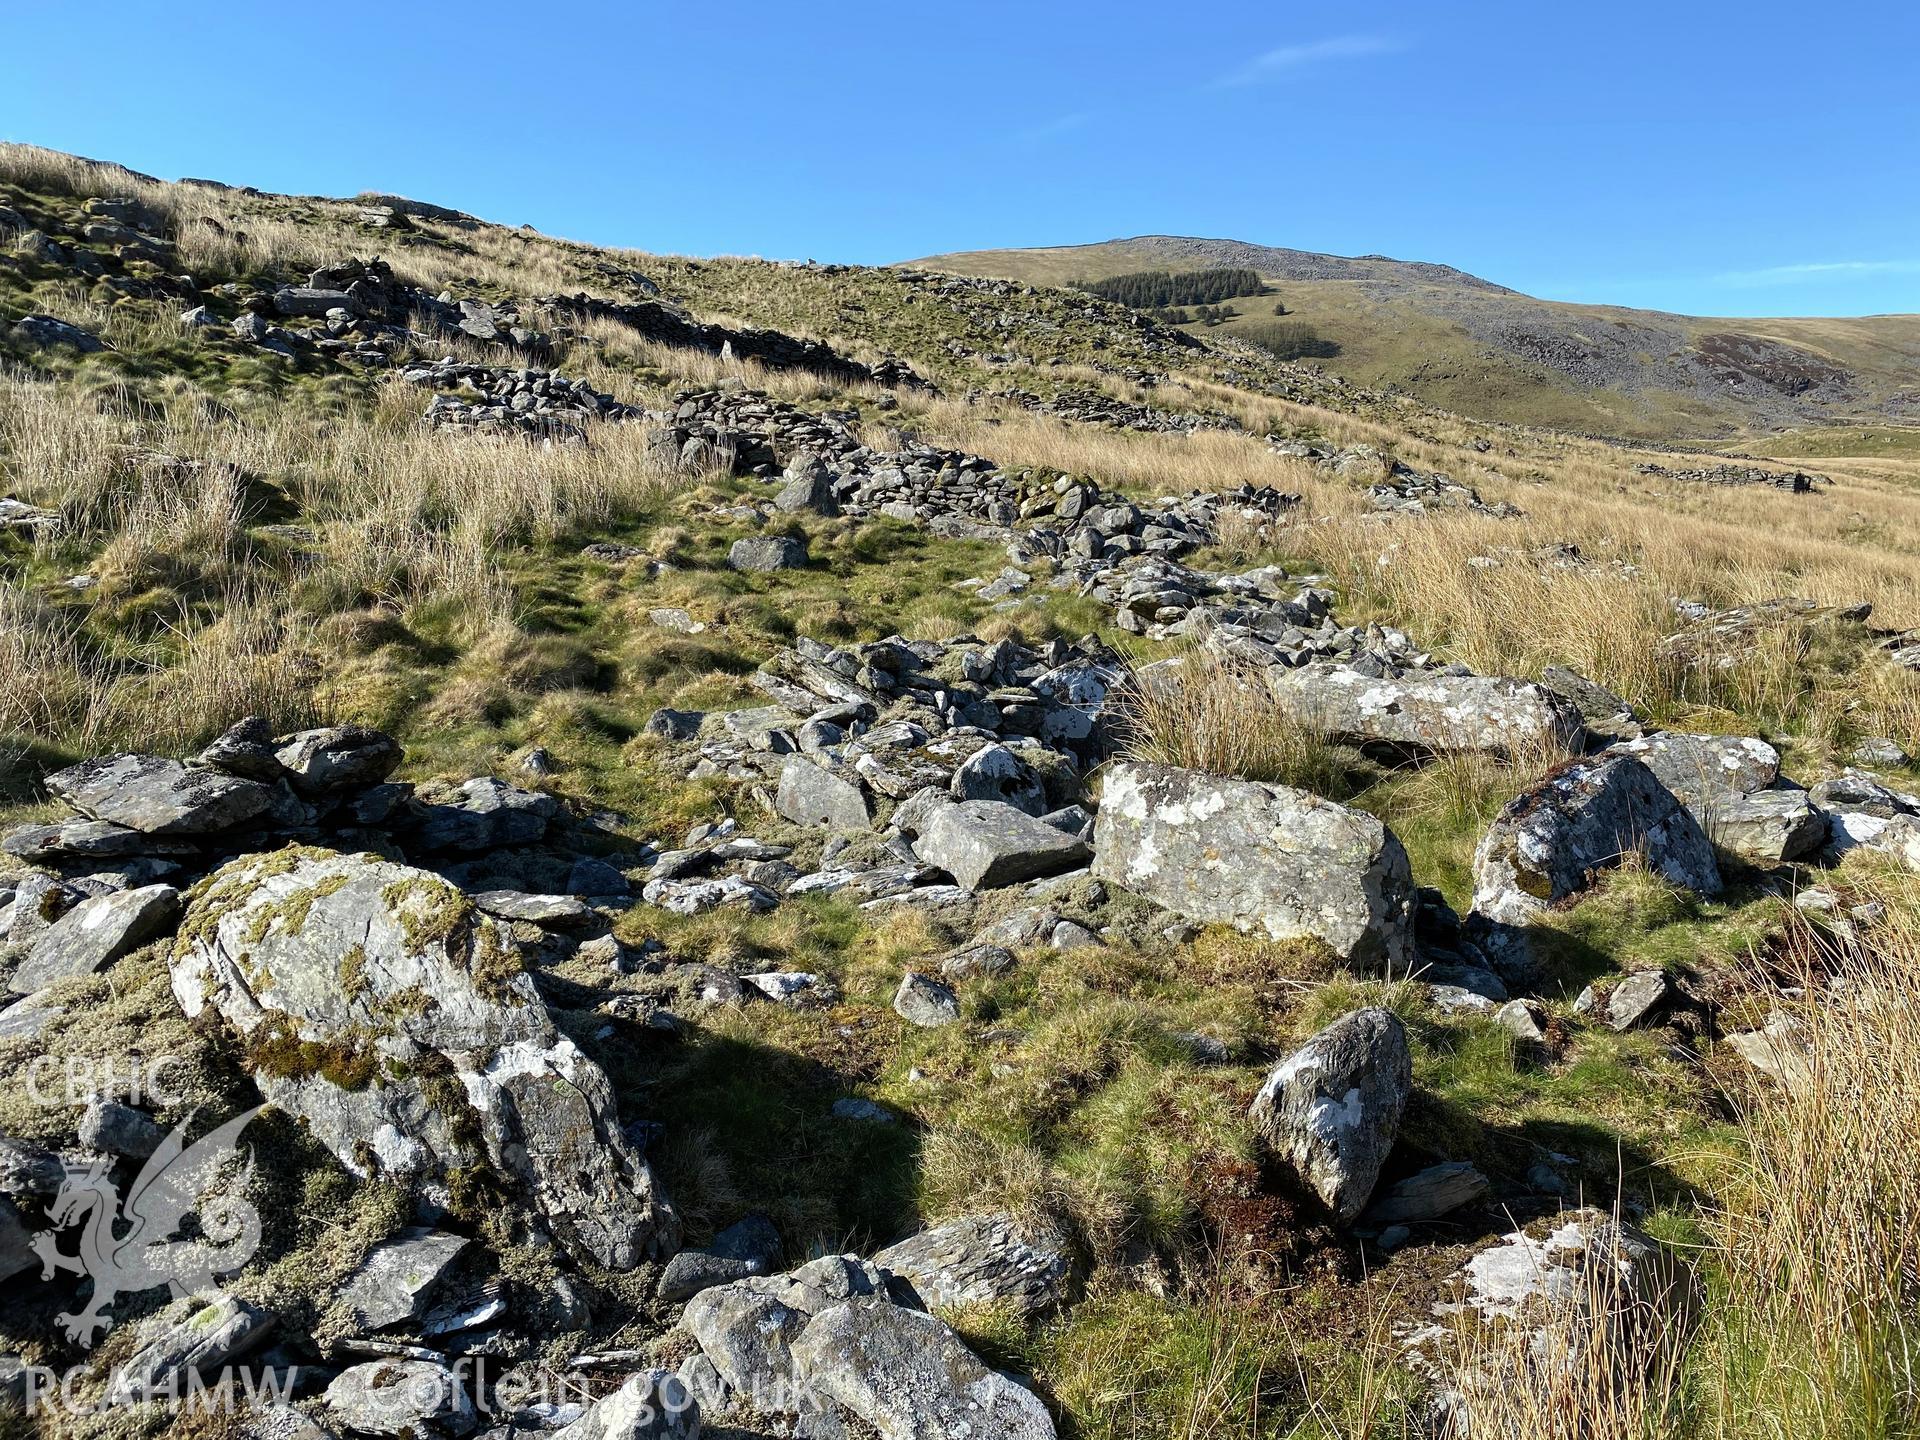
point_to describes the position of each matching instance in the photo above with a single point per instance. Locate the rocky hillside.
(609, 845)
(1463, 343)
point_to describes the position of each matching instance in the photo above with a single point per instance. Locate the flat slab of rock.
(396, 1281)
(1434, 1192)
(95, 933)
(982, 1260)
(1264, 858)
(809, 794)
(921, 1000)
(747, 1248)
(192, 1335)
(86, 840)
(1437, 713)
(1587, 817)
(159, 797)
(986, 844)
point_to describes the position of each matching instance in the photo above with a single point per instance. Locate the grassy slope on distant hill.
(1465, 344)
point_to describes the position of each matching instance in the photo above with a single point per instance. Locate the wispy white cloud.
(1284, 58)
(1825, 270)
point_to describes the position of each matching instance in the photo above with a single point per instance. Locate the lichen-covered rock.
(1563, 1304)
(921, 1000)
(652, 1405)
(810, 794)
(1333, 1108)
(195, 1335)
(993, 772)
(95, 933)
(998, 1260)
(910, 1377)
(1767, 827)
(1435, 713)
(768, 552)
(338, 757)
(985, 844)
(376, 1002)
(483, 814)
(1587, 817)
(397, 1279)
(159, 797)
(1263, 858)
(412, 1399)
(747, 1328)
(1695, 767)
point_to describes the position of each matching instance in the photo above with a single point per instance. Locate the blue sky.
(1719, 158)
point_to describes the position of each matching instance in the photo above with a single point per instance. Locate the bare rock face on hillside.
(1263, 858)
(376, 1002)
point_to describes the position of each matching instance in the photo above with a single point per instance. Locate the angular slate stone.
(985, 844)
(159, 797)
(95, 933)
(811, 795)
(1333, 1108)
(396, 1281)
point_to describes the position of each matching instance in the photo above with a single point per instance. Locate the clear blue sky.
(1700, 155)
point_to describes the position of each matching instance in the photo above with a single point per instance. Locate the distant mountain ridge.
(1472, 345)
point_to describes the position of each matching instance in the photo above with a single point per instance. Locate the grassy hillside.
(226, 507)
(1465, 344)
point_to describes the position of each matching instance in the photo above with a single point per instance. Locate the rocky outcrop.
(1331, 1110)
(1260, 857)
(376, 1002)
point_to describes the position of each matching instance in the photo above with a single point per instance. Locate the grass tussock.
(1203, 715)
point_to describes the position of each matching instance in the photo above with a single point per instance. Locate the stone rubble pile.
(656, 321)
(1394, 487)
(1095, 407)
(1798, 482)
(494, 399)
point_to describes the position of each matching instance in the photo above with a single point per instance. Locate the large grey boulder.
(1555, 1309)
(159, 797)
(1587, 817)
(810, 794)
(910, 1377)
(985, 844)
(379, 1005)
(747, 1328)
(996, 1260)
(1436, 713)
(95, 933)
(1697, 767)
(1264, 858)
(1333, 1108)
(767, 552)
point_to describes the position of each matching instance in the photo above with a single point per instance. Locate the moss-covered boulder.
(380, 1005)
